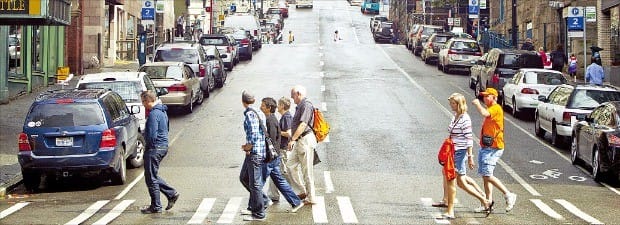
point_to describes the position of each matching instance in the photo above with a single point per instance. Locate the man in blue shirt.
(251, 172)
(594, 73)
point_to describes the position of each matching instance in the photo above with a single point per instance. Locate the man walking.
(492, 142)
(303, 141)
(594, 73)
(291, 37)
(251, 175)
(156, 136)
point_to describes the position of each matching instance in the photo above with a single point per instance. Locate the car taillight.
(245, 41)
(430, 45)
(17, 48)
(450, 52)
(478, 54)
(529, 91)
(108, 139)
(202, 70)
(229, 49)
(177, 87)
(23, 143)
(566, 117)
(495, 78)
(613, 140)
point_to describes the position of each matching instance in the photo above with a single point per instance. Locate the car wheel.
(439, 66)
(201, 97)
(31, 179)
(597, 174)
(220, 83)
(446, 69)
(120, 177)
(537, 129)
(250, 57)
(574, 151)
(427, 61)
(189, 108)
(212, 83)
(478, 88)
(515, 109)
(138, 159)
(205, 93)
(556, 140)
(472, 84)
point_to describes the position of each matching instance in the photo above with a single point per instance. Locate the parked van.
(370, 6)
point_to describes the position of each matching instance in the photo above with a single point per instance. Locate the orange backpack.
(320, 126)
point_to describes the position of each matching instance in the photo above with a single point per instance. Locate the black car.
(596, 141)
(384, 32)
(81, 132)
(215, 58)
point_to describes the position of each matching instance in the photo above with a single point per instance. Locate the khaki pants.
(302, 156)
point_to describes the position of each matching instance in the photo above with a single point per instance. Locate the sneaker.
(150, 210)
(298, 207)
(245, 212)
(480, 209)
(172, 200)
(269, 203)
(511, 199)
(253, 218)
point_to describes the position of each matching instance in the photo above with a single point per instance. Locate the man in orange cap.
(492, 147)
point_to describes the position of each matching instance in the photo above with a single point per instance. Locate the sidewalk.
(12, 120)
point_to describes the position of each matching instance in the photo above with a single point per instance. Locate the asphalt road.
(389, 114)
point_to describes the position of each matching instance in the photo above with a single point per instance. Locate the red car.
(284, 9)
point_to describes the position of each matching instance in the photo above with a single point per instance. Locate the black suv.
(86, 132)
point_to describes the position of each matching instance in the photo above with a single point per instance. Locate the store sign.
(590, 13)
(35, 12)
(14, 6)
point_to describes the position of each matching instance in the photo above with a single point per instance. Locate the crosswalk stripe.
(546, 209)
(115, 212)
(319, 214)
(90, 211)
(13, 209)
(346, 210)
(329, 185)
(577, 212)
(203, 210)
(230, 210)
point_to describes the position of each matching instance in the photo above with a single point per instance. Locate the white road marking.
(322, 88)
(546, 209)
(129, 187)
(536, 162)
(577, 212)
(319, 214)
(346, 210)
(439, 221)
(326, 140)
(321, 63)
(13, 209)
(230, 210)
(611, 188)
(448, 113)
(203, 211)
(115, 212)
(90, 211)
(323, 106)
(321, 74)
(329, 185)
(426, 202)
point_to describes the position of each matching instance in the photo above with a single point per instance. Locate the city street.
(388, 113)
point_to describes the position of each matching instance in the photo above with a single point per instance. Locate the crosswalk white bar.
(546, 209)
(346, 210)
(203, 210)
(230, 210)
(13, 209)
(90, 211)
(427, 202)
(115, 212)
(319, 214)
(577, 212)
(329, 185)
(129, 187)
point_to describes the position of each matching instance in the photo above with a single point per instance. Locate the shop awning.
(605, 5)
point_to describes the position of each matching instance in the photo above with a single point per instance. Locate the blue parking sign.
(574, 23)
(148, 13)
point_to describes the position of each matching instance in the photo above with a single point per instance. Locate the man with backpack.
(558, 58)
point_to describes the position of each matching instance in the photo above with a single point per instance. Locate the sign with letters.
(148, 12)
(574, 21)
(14, 6)
(474, 9)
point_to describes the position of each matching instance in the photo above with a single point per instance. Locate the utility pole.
(515, 28)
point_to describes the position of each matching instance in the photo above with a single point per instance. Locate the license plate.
(64, 141)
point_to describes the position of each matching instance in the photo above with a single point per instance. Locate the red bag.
(446, 158)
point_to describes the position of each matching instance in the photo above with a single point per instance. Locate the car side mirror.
(542, 98)
(223, 56)
(150, 58)
(161, 91)
(134, 109)
(210, 57)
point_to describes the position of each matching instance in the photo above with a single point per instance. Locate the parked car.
(458, 53)
(475, 71)
(430, 49)
(376, 20)
(596, 139)
(557, 112)
(249, 24)
(224, 45)
(384, 32)
(183, 86)
(500, 66)
(370, 6)
(128, 85)
(244, 44)
(411, 33)
(522, 91)
(303, 3)
(422, 35)
(215, 58)
(355, 2)
(14, 50)
(235, 50)
(283, 9)
(79, 132)
(192, 55)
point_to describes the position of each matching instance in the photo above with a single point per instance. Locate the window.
(66, 115)
(592, 98)
(128, 90)
(189, 56)
(561, 96)
(148, 83)
(110, 105)
(544, 78)
(615, 36)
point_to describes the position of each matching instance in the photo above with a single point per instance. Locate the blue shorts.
(460, 161)
(487, 158)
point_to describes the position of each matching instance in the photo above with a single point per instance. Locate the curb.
(10, 185)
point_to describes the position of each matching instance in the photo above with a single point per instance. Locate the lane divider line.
(546, 209)
(203, 211)
(323, 106)
(90, 211)
(319, 213)
(13, 209)
(230, 210)
(115, 212)
(329, 185)
(577, 212)
(129, 187)
(346, 210)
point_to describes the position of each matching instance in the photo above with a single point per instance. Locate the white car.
(14, 49)
(128, 85)
(557, 113)
(522, 91)
(355, 2)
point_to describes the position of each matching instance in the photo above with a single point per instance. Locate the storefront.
(33, 31)
(611, 9)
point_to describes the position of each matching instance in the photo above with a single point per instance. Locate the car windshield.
(510, 60)
(213, 41)
(466, 46)
(189, 56)
(381, 18)
(430, 30)
(548, 78)
(66, 115)
(592, 98)
(13, 41)
(441, 39)
(128, 90)
(164, 72)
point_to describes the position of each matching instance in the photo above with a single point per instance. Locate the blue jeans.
(252, 179)
(154, 183)
(273, 170)
(460, 161)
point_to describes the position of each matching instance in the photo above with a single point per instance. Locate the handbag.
(487, 140)
(271, 152)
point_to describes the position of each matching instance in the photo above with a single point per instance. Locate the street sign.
(148, 10)
(483, 4)
(450, 21)
(575, 34)
(574, 21)
(457, 22)
(590, 13)
(474, 8)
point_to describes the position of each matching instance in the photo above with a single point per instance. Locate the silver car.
(178, 78)
(458, 53)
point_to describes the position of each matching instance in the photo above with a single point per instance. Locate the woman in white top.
(462, 135)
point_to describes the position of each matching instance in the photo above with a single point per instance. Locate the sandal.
(440, 204)
(490, 209)
(446, 216)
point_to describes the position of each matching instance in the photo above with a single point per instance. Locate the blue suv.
(85, 132)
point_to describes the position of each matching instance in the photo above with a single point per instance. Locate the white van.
(304, 3)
